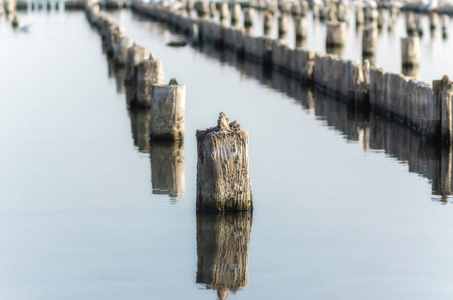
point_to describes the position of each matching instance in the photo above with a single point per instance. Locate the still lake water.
(346, 205)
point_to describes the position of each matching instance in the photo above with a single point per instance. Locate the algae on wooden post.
(223, 176)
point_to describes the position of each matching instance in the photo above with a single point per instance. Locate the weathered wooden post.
(342, 12)
(445, 22)
(167, 111)
(282, 25)
(443, 91)
(380, 19)
(301, 28)
(411, 26)
(167, 168)
(267, 23)
(336, 34)
(419, 25)
(135, 55)
(195, 34)
(433, 20)
(202, 8)
(212, 9)
(149, 73)
(296, 9)
(189, 6)
(120, 53)
(359, 16)
(223, 11)
(249, 17)
(235, 13)
(222, 247)
(410, 51)
(223, 176)
(369, 40)
(15, 22)
(316, 10)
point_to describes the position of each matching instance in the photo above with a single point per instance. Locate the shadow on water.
(167, 168)
(430, 160)
(222, 249)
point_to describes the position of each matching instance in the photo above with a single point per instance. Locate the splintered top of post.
(224, 125)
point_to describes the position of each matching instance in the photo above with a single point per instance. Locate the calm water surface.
(346, 205)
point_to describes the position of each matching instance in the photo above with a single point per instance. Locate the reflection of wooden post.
(140, 128)
(222, 249)
(223, 176)
(167, 168)
(267, 23)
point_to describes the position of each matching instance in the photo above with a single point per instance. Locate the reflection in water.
(222, 248)
(140, 119)
(427, 159)
(167, 168)
(119, 73)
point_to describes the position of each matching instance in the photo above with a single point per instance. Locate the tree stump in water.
(223, 176)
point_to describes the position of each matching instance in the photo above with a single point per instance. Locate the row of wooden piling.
(223, 180)
(359, 84)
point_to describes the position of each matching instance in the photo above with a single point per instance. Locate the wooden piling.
(223, 11)
(301, 28)
(235, 13)
(336, 34)
(410, 51)
(212, 9)
(359, 16)
(123, 43)
(267, 23)
(282, 24)
(167, 111)
(433, 20)
(369, 40)
(223, 176)
(149, 73)
(445, 22)
(249, 17)
(135, 55)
